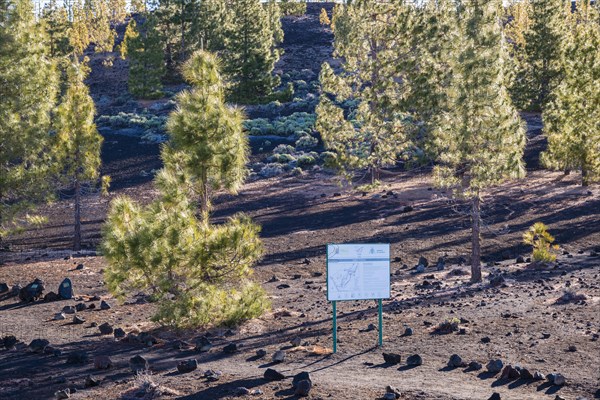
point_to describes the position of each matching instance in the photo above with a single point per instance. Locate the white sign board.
(358, 271)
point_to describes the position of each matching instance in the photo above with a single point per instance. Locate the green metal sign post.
(359, 272)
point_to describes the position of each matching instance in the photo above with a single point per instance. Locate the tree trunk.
(584, 176)
(77, 236)
(475, 239)
(205, 196)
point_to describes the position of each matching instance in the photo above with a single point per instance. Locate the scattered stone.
(104, 305)
(138, 363)
(494, 366)
(414, 360)
(9, 342)
(106, 329)
(77, 357)
(441, 264)
(212, 375)
(475, 366)
(119, 333)
(408, 331)
(497, 280)
(80, 307)
(559, 397)
(186, 366)
(273, 279)
(272, 375)
(3, 287)
(538, 376)
(485, 340)
(77, 320)
(68, 310)
(147, 339)
(526, 374)
(65, 289)
(392, 358)
(423, 261)
(545, 335)
(303, 388)
(38, 345)
(389, 396)
(59, 316)
(51, 296)
(495, 396)
(62, 394)
(279, 356)
(302, 376)
(297, 341)
(92, 306)
(79, 267)
(242, 391)
(32, 292)
(283, 286)
(260, 353)
(203, 344)
(572, 348)
(456, 361)
(90, 381)
(420, 269)
(230, 348)
(393, 391)
(102, 362)
(370, 328)
(520, 260)
(556, 379)
(510, 373)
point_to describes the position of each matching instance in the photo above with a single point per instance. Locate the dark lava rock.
(104, 305)
(79, 267)
(3, 287)
(474, 366)
(68, 310)
(526, 374)
(90, 381)
(556, 379)
(520, 260)
(9, 342)
(423, 261)
(186, 366)
(260, 353)
(495, 396)
(102, 362)
(392, 358)
(510, 373)
(80, 307)
(212, 375)
(203, 344)
(77, 357)
(394, 391)
(283, 286)
(272, 375)
(303, 388)
(62, 394)
(495, 366)
(302, 376)
(147, 339)
(77, 320)
(119, 333)
(51, 296)
(138, 363)
(242, 391)
(38, 345)
(230, 348)
(497, 280)
(538, 376)
(408, 332)
(414, 360)
(106, 329)
(485, 340)
(456, 361)
(279, 356)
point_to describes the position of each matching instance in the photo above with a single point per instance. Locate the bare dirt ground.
(299, 215)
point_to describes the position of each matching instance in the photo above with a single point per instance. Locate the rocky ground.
(544, 319)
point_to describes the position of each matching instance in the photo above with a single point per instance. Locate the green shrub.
(305, 161)
(306, 142)
(281, 158)
(284, 149)
(541, 240)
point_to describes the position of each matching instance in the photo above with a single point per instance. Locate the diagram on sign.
(356, 271)
(346, 279)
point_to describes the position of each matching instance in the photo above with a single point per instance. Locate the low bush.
(542, 241)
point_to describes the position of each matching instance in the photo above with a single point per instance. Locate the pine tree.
(78, 140)
(572, 115)
(372, 134)
(143, 46)
(28, 88)
(206, 134)
(434, 37)
(274, 13)
(481, 136)
(198, 272)
(98, 16)
(175, 21)
(57, 25)
(208, 30)
(249, 58)
(324, 18)
(516, 27)
(543, 43)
